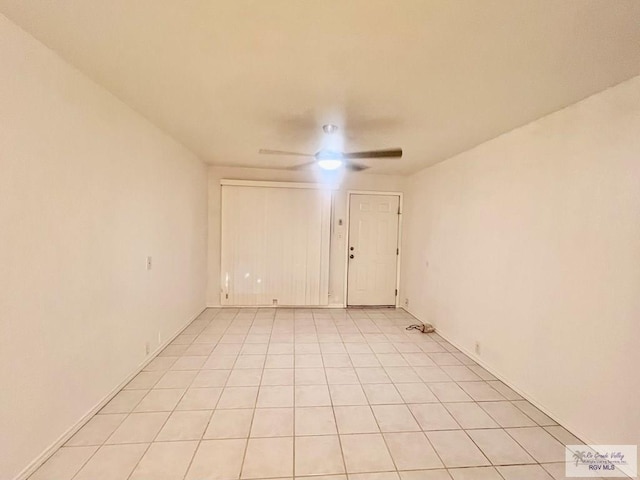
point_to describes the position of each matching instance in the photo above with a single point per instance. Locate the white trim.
(399, 250)
(259, 183)
(348, 220)
(373, 192)
(62, 439)
(300, 307)
(325, 247)
(221, 299)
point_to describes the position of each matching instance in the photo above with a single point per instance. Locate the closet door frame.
(326, 234)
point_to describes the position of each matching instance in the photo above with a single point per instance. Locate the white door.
(275, 246)
(373, 249)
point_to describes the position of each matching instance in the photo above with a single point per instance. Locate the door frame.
(348, 223)
(326, 269)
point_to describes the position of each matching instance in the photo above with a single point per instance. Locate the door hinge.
(396, 292)
(397, 251)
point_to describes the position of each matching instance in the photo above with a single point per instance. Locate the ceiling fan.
(332, 160)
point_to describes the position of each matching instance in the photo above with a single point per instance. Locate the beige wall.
(350, 181)
(530, 244)
(88, 189)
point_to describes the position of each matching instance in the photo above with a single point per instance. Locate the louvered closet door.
(275, 246)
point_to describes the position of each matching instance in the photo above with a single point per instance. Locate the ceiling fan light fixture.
(330, 163)
(330, 128)
(330, 159)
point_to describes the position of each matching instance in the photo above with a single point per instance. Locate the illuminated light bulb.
(329, 164)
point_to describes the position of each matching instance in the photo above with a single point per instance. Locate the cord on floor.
(424, 328)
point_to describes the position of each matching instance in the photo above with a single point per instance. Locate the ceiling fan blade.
(355, 167)
(301, 166)
(386, 153)
(266, 151)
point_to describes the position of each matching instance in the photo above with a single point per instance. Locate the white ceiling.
(436, 77)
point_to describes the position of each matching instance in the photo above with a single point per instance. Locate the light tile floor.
(322, 393)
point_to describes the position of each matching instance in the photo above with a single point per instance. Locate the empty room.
(321, 240)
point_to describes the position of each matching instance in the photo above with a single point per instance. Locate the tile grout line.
(103, 444)
(320, 322)
(257, 399)
(193, 455)
(199, 442)
(333, 412)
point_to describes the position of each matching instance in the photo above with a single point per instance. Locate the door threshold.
(364, 307)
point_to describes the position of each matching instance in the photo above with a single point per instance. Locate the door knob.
(352, 249)
(350, 256)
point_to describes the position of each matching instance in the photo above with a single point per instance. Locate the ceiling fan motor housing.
(328, 155)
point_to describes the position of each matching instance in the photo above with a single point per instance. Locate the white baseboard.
(527, 396)
(331, 305)
(577, 432)
(44, 456)
(304, 307)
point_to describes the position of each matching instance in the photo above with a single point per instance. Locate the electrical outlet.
(147, 348)
(406, 302)
(275, 302)
(149, 263)
(478, 347)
